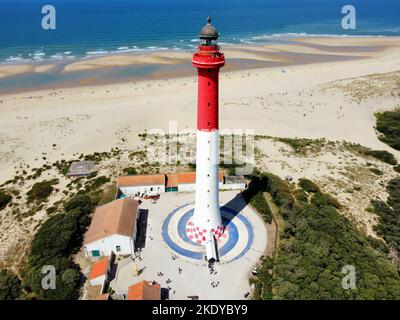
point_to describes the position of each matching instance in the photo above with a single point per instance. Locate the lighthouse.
(206, 221)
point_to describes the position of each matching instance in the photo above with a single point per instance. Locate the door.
(95, 253)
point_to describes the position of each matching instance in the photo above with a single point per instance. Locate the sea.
(88, 28)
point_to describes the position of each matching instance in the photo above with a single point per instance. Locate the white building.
(234, 183)
(99, 273)
(186, 181)
(113, 228)
(136, 185)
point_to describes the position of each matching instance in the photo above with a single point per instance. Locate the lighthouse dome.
(209, 31)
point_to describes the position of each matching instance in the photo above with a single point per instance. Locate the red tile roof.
(190, 177)
(141, 180)
(99, 268)
(144, 290)
(172, 180)
(116, 217)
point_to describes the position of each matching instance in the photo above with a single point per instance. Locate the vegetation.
(397, 168)
(130, 170)
(376, 171)
(382, 155)
(302, 145)
(10, 286)
(261, 205)
(388, 124)
(316, 242)
(308, 185)
(5, 199)
(389, 216)
(57, 239)
(41, 190)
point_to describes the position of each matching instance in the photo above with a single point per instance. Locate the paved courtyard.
(188, 274)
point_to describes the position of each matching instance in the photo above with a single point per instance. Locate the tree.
(4, 199)
(10, 286)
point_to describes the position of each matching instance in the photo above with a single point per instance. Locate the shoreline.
(161, 65)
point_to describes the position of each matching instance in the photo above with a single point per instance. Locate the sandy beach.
(305, 98)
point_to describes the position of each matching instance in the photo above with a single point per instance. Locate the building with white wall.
(113, 228)
(99, 272)
(234, 183)
(137, 185)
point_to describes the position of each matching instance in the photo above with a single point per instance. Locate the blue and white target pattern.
(233, 244)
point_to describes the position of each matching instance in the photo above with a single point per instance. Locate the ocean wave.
(17, 59)
(305, 34)
(97, 52)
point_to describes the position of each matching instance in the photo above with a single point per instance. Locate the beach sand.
(313, 100)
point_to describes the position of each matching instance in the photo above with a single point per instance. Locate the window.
(209, 104)
(118, 248)
(209, 83)
(95, 253)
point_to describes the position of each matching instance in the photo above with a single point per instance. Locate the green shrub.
(308, 185)
(81, 202)
(261, 205)
(382, 155)
(376, 171)
(388, 124)
(10, 286)
(55, 242)
(397, 168)
(321, 200)
(317, 242)
(389, 215)
(5, 199)
(300, 195)
(130, 170)
(41, 190)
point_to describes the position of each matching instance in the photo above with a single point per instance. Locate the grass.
(302, 145)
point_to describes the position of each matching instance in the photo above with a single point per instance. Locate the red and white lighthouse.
(206, 220)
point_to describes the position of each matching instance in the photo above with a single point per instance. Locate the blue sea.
(86, 28)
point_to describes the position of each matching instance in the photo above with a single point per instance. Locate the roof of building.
(99, 268)
(81, 168)
(144, 290)
(141, 180)
(172, 180)
(116, 217)
(190, 177)
(234, 179)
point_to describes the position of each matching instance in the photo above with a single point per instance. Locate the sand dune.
(10, 70)
(316, 100)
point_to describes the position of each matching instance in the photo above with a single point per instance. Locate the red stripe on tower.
(208, 60)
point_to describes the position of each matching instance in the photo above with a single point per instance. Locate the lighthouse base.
(235, 240)
(202, 236)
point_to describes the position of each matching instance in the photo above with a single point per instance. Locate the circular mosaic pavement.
(233, 243)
